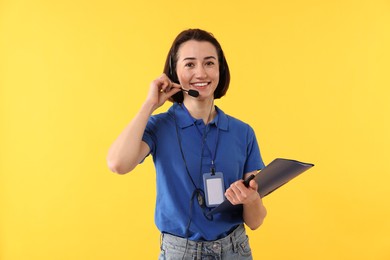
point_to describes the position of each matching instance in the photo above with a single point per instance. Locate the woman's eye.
(209, 63)
(189, 65)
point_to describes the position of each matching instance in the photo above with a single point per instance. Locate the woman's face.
(198, 68)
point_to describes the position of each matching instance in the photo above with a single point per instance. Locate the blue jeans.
(233, 246)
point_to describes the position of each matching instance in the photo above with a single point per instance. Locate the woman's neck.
(204, 109)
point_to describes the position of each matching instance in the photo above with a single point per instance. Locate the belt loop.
(233, 240)
(199, 250)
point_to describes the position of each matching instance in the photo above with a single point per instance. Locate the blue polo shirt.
(237, 153)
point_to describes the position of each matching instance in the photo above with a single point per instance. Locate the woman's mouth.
(200, 85)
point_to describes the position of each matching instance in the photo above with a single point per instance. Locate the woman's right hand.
(160, 90)
(128, 150)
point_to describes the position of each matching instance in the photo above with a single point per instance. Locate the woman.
(199, 152)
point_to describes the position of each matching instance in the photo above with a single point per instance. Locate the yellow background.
(311, 77)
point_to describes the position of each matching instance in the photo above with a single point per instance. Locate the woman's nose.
(200, 72)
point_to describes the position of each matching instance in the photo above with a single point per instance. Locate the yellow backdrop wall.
(311, 77)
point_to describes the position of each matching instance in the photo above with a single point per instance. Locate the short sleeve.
(149, 136)
(254, 161)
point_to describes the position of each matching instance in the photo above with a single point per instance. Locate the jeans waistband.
(223, 244)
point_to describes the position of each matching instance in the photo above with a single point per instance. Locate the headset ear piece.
(172, 73)
(170, 65)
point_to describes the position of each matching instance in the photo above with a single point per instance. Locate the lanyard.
(198, 193)
(203, 137)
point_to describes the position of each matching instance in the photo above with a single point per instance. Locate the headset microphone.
(191, 92)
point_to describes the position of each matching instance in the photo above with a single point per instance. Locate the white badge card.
(214, 188)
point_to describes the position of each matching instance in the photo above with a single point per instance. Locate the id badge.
(214, 188)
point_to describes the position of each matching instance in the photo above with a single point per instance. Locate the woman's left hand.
(237, 193)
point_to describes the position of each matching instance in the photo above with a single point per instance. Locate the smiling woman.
(195, 63)
(205, 40)
(197, 67)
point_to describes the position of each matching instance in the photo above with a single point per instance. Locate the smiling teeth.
(200, 84)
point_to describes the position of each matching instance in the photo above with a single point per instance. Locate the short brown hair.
(202, 36)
